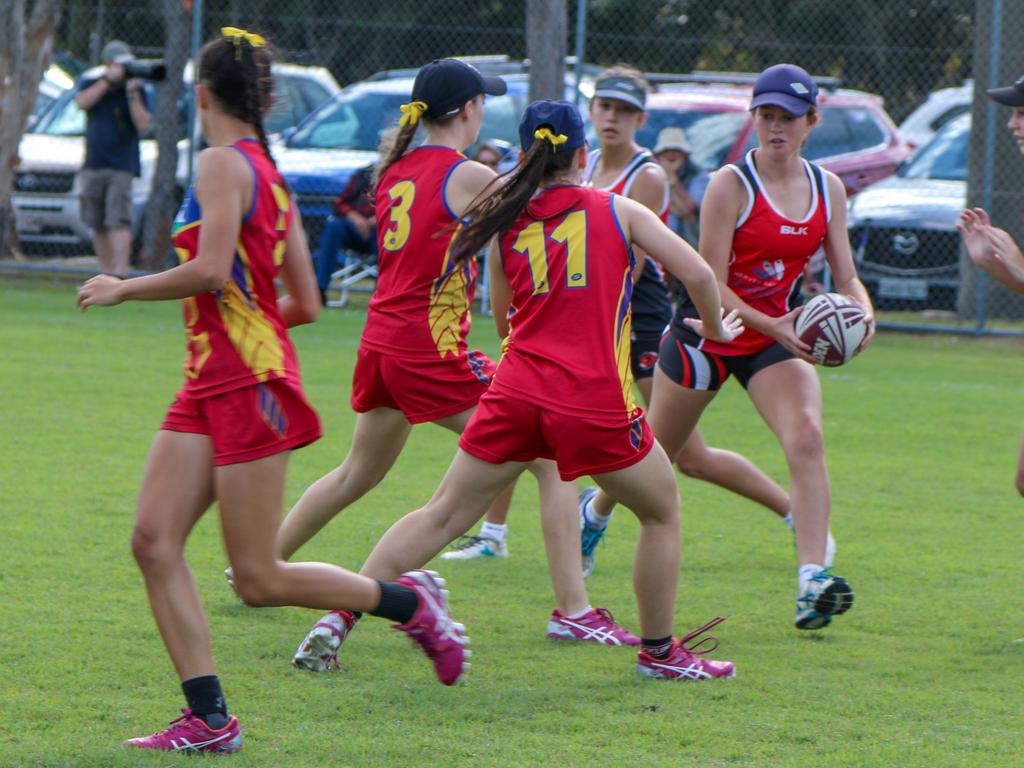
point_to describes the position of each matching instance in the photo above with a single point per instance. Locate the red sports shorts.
(248, 423)
(423, 389)
(504, 429)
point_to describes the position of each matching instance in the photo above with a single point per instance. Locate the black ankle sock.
(206, 700)
(658, 647)
(397, 602)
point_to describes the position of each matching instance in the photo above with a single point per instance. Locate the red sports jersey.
(421, 305)
(569, 267)
(770, 251)
(235, 335)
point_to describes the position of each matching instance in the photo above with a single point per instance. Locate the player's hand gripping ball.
(833, 326)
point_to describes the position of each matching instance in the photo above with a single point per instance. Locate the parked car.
(903, 229)
(939, 108)
(855, 139)
(54, 83)
(342, 135)
(46, 185)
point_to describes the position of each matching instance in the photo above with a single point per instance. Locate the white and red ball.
(833, 326)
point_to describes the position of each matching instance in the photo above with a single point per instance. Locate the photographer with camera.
(116, 113)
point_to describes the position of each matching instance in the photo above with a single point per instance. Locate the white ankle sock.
(494, 531)
(580, 614)
(788, 520)
(808, 571)
(594, 518)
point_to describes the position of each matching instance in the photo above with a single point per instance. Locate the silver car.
(903, 229)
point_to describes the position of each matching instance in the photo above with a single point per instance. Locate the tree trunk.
(546, 47)
(25, 50)
(165, 196)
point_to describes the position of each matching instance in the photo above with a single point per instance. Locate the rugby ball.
(833, 326)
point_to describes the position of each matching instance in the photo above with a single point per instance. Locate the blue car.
(343, 134)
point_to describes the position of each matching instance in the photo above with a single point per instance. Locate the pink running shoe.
(190, 734)
(683, 662)
(598, 626)
(432, 628)
(318, 652)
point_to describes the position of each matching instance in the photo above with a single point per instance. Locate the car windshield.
(944, 157)
(711, 134)
(64, 118)
(349, 121)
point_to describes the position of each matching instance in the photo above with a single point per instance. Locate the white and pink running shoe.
(432, 628)
(190, 734)
(684, 662)
(318, 652)
(597, 626)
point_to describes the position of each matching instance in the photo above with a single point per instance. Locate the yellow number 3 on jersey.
(402, 195)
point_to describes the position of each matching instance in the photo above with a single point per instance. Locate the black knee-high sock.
(397, 602)
(206, 700)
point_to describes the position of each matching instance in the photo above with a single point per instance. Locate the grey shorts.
(106, 201)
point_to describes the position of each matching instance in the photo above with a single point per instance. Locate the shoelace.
(606, 614)
(467, 541)
(695, 649)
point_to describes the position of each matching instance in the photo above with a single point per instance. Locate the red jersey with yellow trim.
(569, 267)
(421, 306)
(769, 253)
(235, 336)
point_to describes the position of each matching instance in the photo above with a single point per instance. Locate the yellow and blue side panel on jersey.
(449, 303)
(283, 201)
(621, 336)
(251, 334)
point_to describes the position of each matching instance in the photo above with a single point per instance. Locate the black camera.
(143, 69)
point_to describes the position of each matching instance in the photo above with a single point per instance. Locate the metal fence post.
(193, 120)
(581, 44)
(990, 143)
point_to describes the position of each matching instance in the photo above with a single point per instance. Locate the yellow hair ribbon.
(412, 112)
(238, 35)
(546, 133)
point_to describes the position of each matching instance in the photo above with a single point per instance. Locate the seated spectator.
(686, 181)
(353, 227)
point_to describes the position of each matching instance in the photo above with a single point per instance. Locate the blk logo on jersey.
(786, 229)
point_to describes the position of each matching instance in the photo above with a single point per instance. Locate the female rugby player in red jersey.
(561, 277)
(228, 434)
(414, 364)
(761, 222)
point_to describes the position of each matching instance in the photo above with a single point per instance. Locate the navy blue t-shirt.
(111, 139)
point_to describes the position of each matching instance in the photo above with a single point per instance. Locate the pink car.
(855, 139)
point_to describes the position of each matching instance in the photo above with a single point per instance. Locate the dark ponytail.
(238, 75)
(494, 212)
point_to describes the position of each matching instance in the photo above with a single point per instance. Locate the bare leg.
(467, 490)
(378, 440)
(120, 240)
(673, 416)
(177, 488)
(497, 513)
(561, 525)
(104, 253)
(788, 397)
(726, 469)
(649, 489)
(250, 497)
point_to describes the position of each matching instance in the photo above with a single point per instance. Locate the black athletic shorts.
(694, 368)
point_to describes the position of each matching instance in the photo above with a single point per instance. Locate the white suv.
(46, 183)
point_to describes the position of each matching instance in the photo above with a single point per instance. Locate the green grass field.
(922, 436)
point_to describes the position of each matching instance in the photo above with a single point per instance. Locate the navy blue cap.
(787, 86)
(560, 116)
(445, 85)
(1010, 95)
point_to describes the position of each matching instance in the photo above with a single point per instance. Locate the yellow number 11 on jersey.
(573, 233)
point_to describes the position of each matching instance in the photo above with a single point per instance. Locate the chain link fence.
(882, 64)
